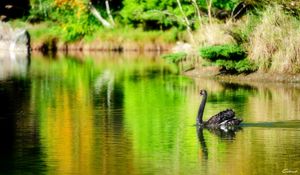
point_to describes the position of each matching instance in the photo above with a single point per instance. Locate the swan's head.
(203, 92)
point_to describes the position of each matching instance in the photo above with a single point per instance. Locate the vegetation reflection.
(131, 116)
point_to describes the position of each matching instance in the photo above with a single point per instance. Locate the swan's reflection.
(202, 142)
(223, 134)
(228, 134)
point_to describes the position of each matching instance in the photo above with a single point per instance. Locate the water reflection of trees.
(111, 145)
(81, 106)
(265, 146)
(19, 130)
(277, 102)
(140, 120)
(254, 102)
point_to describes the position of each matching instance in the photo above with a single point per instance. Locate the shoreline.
(54, 45)
(198, 72)
(256, 77)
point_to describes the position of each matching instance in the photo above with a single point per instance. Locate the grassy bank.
(119, 39)
(263, 77)
(48, 36)
(264, 41)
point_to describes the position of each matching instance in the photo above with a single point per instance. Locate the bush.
(242, 66)
(223, 52)
(230, 57)
(245, 65)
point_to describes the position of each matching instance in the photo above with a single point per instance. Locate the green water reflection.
(126, 114)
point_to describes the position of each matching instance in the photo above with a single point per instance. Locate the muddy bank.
(261, 77)
(53, 45)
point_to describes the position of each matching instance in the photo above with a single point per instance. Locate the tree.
(156, 14)
(97, 14)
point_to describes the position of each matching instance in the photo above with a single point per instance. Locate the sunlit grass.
(275, 42)
(134, 34)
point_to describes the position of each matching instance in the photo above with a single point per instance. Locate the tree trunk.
(197, 10)
(99, 17)
(189, 30)
(109, 14)
(209, 2)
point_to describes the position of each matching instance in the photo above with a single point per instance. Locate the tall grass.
(275, 43)
(213, 34)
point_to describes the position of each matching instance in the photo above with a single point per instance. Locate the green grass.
(135, 35)
(44, 31)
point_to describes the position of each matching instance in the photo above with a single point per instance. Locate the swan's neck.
(201, 110)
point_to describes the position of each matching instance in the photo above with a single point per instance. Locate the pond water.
(128, 114)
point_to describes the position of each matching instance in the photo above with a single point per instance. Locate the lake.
(132, 114)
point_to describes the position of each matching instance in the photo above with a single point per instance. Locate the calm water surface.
(124, 114)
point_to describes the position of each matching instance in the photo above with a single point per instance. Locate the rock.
(13, 40)
(182, 47)
(14, 51)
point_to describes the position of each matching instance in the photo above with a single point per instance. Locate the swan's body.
(223, 120)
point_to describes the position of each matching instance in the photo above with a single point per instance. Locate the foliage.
(71, 19)
(74, 20)
(242, 29)
(159, 14)
(175, 57)
(231, 58)
(271, 37)
(75, 28)
(40, 10)
(224, 52)
(155, 14)
(290, 6)
(242, 66)
(221, 4)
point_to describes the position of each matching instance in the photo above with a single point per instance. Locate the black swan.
(223, 120)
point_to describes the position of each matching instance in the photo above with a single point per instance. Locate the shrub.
(226, 65)
(230, 57)
(242, 66)
(223, 52)
(245, 65)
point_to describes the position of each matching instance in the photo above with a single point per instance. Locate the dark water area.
(128, 114)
